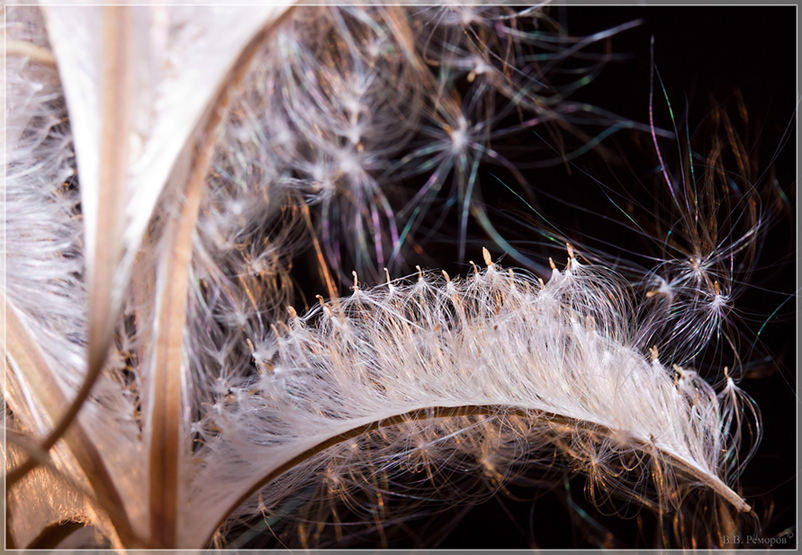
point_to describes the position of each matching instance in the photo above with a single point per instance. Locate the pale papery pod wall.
(139, 83)
(44, 277)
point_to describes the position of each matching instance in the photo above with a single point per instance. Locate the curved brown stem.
(165, 439)
(36, 53)
(24, 352)
(112, 171)
(477, 410)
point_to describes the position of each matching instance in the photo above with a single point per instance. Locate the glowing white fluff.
(494, 341)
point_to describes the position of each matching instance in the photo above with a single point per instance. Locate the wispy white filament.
(561, 354)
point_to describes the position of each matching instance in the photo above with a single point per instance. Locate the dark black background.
(705, 56)
(701, 53)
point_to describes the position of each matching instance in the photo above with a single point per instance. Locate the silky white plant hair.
(164, 168)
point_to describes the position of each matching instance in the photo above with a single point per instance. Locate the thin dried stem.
(322, 266)
(24, 49)
(28, 358)
(547, 419)
(112, 172)
(165, 441)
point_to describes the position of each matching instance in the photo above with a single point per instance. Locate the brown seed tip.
(570, 251)
(486, 255)
(551, 263)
